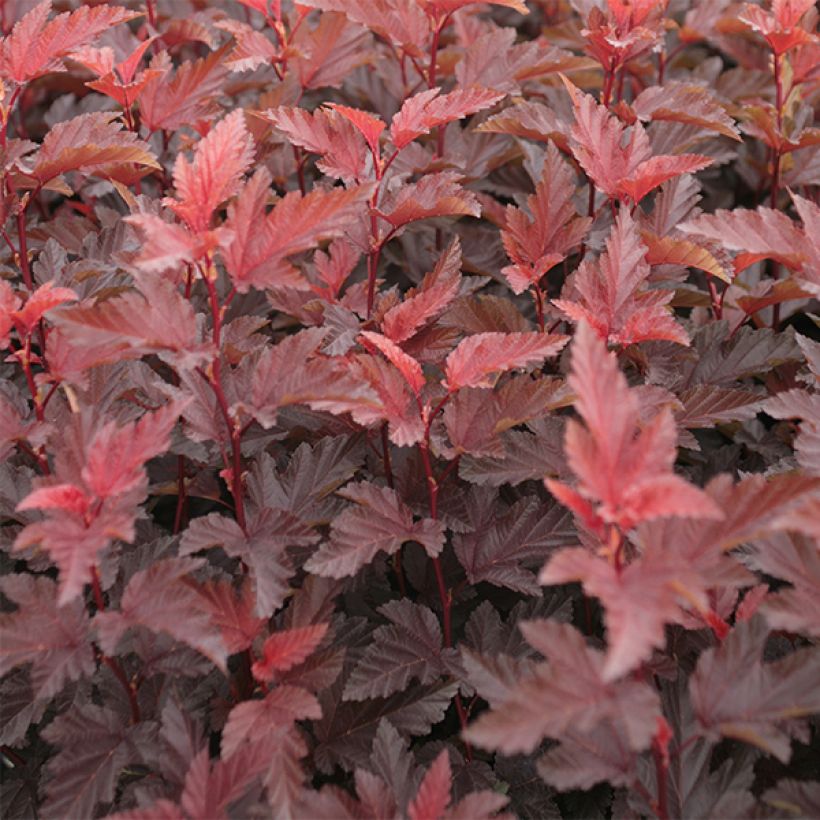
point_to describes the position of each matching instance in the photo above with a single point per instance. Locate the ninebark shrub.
(409, 408)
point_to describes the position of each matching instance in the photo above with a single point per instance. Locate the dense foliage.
(409, 408)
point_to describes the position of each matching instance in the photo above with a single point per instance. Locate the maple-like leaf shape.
(760, 234)
(475, 421)
(94, 744)
(426, 110)
(433, 796)
(93, 143)
(409, 648)
(762, 698)
(423, 304)
(535, 243)
(796, 559)
(261, 546)
(401, 23)
(165, 598)
(252, 48)
(232, 612)
(211, 787)
(339, 143)
(253, 720)
(779, 28)
(97, 501)
(380, 521)
(638, 600)
(287, 648)
(369, 125)
(256, 253)
(611, 296)
(54, 640)
(583, 759)
(329, 52)
(437, 194)
(220, 160)
(322, 383)
(504, 551)
(565, 692)
(684, 102)
(185, 96)
(157, 321)
(478, 359)
(625, 472)
(409, 368)
(621, 167)
(36, 44)
(674, 250)
(804, 405)
(26, 318)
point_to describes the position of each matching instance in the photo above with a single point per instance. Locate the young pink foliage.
(479, 358)
(536, 242)
(407, 365)
(427, 110)
(624, 467)
(37, 45)
(98, 502)
(433, 796)
(287, 648)
(610, 293)
(220, 161)
(619, 166)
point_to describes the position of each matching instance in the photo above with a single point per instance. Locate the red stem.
(778, 84)
(23, 252)
(215, 380)
(539, 306)
(112, 663)
(662, 809)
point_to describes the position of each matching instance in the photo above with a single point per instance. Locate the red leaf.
(478, 357)
(426, 110)
(564, 693)
(54, 640)
(44, 299)
(403, 24)
(36, 44)
(407, 365)
(764, 698)
(420, 306)
(759, 234)
(624, 470)
(534, 244)
(408, 648)
(617, 165)
(92, 143)
(433, 195)
(380, 521)
(256, 254)
(288, 648)
(165, 598)
(369, 125)
(330, 51)
(185, 96)
(220, 160)
(159, 321)
(433, 796)
(327, 133)
(254, 720)
(608, 293)
(233, 613)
